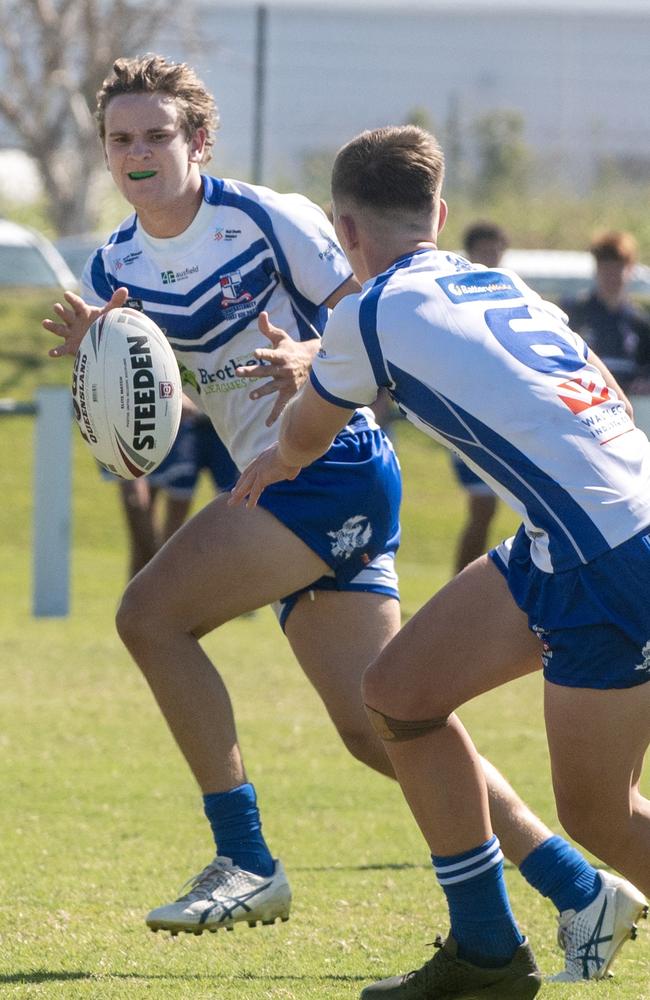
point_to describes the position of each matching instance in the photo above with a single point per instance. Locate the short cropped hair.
(400, 167)
(483, 231)
(615, 245)
(153, 74)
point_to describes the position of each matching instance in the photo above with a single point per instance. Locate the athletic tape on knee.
(399, 730)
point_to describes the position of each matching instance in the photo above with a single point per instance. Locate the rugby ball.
(126, 393)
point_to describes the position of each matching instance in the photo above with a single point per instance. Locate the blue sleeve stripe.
(123, 235)
(335, 400)
(368, 325)
(570, 529)
(104, 284)
(309, 311)
(212, 189)
(368, 306)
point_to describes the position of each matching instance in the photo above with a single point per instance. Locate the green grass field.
(101, 820)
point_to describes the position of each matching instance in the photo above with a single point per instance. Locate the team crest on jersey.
(580, 394)
(354, 534)
(231, 285)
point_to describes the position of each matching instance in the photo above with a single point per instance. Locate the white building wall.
(580, 78)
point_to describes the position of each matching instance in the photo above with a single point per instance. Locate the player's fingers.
(118, 298)
(270, 355)
(62, 349)
(66, 315)
(265, 390)
(58, 328)
(276, 412)
(239, 492)
(252, 371)
(79, 306)
(255, 493)
(274, 333)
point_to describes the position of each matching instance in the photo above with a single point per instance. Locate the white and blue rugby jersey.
(248, 249)
(482, 364)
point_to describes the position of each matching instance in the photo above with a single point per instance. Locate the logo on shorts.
(544, 637)
(645, 653)
(352, 535)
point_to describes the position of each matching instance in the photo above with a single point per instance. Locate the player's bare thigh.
(469, 638)
(222, 562)
(335, 635)
(597, 740)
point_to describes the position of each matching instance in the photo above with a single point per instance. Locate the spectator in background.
(615, 329)
(483, 243)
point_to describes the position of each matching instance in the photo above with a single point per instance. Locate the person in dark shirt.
(484, 243)
(613, 326)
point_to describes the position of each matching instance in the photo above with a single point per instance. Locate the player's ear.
(442, 215)
(346, 229)
(197, 145)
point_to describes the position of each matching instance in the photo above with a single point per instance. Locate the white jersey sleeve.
(310, 260)
(341, 372)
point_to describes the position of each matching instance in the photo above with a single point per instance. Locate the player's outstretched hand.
(285, 363)
(76, 318)
(267, 468)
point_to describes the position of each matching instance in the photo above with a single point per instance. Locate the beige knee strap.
(399, 730)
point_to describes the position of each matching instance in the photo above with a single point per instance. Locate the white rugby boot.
(221, 896)
(592, 937)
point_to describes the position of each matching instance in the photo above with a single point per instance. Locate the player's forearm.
(302, 440)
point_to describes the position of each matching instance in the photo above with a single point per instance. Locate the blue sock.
(237, 829)
(482, 923)
(561, 874)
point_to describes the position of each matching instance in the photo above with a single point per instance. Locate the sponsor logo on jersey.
(581, 394)
(473, 286)
(457, 262)
(129, 259)
(226, 234)
(353, 534)
(171, 277)
(587, 399)
(225, 379)
(332, 249)
(189, 378)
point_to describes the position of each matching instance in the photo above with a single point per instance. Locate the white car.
(563, 274)
(29, 260)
